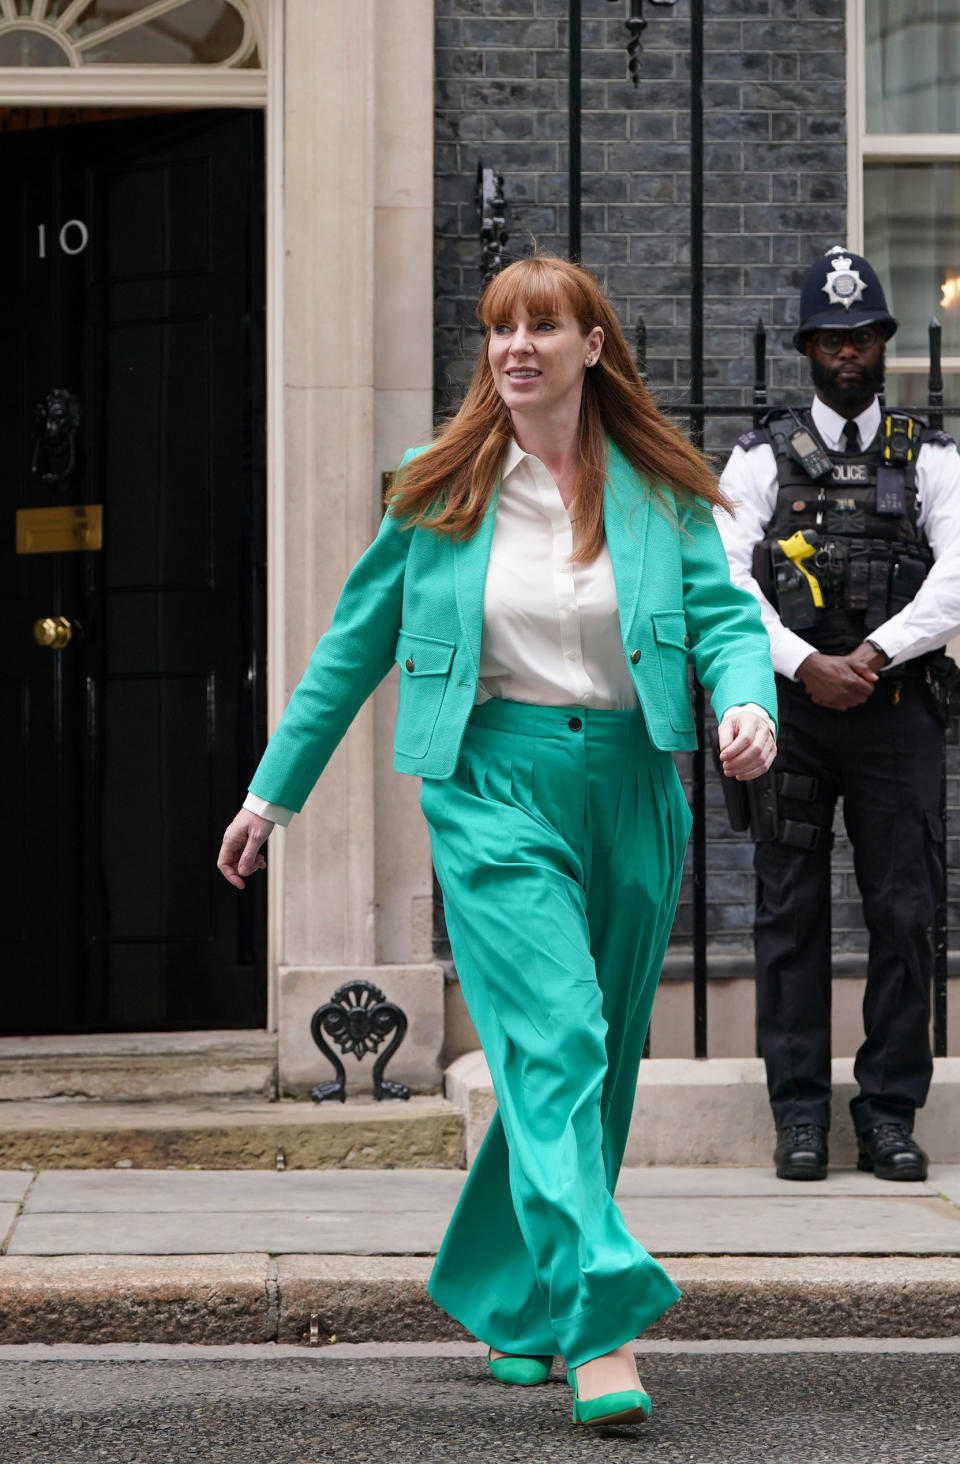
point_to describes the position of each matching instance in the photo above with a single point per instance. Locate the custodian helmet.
(841, 290)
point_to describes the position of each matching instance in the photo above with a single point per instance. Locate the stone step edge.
(689, 1112)
(257, 1298)
(424, 1133)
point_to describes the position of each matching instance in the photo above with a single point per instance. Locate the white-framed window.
(86, 33)
(903, 124)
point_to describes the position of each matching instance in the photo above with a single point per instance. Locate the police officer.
(847, 530)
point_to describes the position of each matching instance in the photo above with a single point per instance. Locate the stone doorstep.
(256, 1298)
(120, 1067)
(423, 1133)
(692, 1113)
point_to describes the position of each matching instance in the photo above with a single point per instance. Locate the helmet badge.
(844, 285)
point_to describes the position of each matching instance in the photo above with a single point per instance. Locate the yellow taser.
(797, 549)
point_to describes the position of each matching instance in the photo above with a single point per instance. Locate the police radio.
(808, 452)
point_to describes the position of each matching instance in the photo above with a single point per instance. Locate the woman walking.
(542, 575)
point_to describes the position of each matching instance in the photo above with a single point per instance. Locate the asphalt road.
(778, 1407)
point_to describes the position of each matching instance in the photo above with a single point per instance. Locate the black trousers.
(885, 761)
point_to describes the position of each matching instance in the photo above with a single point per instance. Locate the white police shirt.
(933, 615)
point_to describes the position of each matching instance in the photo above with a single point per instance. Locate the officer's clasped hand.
(841, 682)
(746, 743)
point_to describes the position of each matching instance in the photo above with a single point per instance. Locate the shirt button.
(409, 664)
(635, 656)
(574, 724)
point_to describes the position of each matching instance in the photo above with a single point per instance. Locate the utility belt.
(810, 573)
(754, 806)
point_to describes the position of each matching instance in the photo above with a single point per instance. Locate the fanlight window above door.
(220, 33)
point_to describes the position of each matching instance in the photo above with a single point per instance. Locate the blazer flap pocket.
(424, 655)
(670, 629)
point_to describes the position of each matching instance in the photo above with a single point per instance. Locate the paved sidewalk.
(224, 1256)
(404, 1212)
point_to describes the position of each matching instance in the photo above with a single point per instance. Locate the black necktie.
(852, 433)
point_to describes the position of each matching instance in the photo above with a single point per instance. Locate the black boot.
(892, 1152)
(801, 1152)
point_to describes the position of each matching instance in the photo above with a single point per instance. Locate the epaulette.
(753, 438)
(757, 436)
(937, 436)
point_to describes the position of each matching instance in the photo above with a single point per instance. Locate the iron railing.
(491, 208)
(696, 413)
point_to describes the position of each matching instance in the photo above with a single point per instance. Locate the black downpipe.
(574, 129)
(696, 433)
(940, 927)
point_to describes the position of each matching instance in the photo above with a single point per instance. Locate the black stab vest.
(868, 565)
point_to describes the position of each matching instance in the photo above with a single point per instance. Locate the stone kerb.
(253, 1298)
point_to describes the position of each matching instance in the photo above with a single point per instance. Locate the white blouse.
(551, 628)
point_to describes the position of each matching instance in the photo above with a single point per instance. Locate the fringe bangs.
(447, 488)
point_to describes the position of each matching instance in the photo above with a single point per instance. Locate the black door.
(131, 377)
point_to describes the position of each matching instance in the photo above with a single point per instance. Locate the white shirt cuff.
(790, 653)
(275, 812)
(752, 707)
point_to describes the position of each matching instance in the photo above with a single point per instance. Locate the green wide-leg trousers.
(558, 844)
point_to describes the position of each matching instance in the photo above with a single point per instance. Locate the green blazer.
(416, 597)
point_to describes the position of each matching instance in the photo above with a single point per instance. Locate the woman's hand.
(240, 850)
(747, 743)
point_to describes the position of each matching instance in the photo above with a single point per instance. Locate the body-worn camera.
(899, 434)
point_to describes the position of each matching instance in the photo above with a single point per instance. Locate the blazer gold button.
(635, 656)
(408, 663)
(686, 640)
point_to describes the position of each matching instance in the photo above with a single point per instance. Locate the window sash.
(864, 147)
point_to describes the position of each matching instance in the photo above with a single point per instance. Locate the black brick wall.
(775, 190)
(775, 160)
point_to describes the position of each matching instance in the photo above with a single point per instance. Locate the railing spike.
(759, 369)
(935, 384)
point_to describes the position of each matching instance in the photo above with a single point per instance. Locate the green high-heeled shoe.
(523, 1371)
(628, 1406)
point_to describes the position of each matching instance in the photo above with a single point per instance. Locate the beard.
(848, 398)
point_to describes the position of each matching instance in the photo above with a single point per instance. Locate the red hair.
(448, 487)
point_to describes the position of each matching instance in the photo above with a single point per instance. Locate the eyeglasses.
(830, 342)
